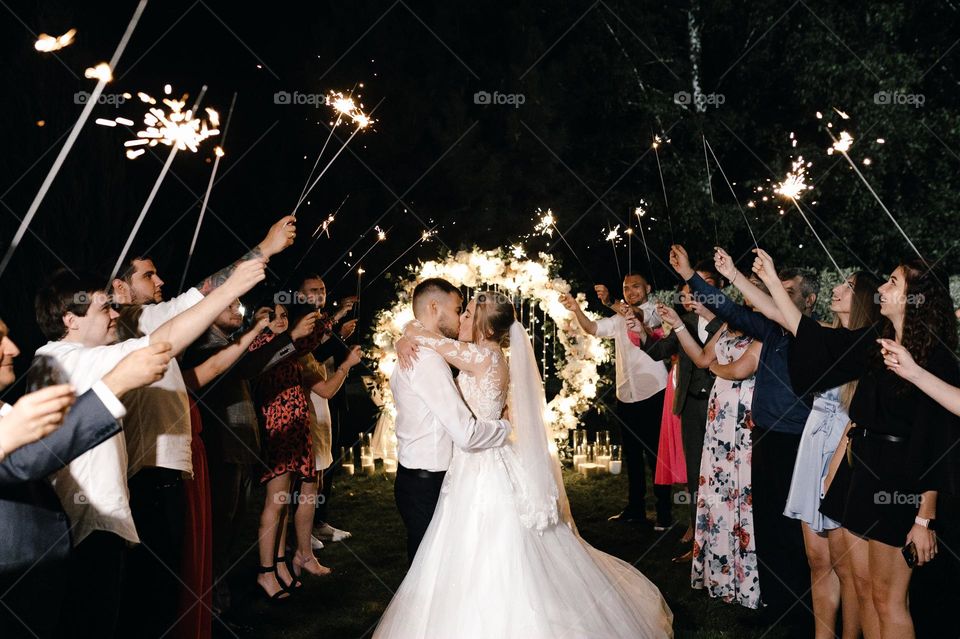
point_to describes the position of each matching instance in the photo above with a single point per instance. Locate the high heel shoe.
(282, 594)
(293, 573)
(300, 564)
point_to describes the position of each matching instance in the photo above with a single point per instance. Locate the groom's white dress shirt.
(432, 416)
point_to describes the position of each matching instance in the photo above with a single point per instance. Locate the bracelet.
(735, 273)
(679, 329)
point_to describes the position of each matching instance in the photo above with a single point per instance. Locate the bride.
(502, 556)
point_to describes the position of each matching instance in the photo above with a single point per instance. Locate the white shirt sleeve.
(86, 366)
(436, 388)
(5, 409)
(153, 316)
(607, 326)
(109, 400)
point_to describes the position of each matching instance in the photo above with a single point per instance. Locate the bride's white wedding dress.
(482, 572)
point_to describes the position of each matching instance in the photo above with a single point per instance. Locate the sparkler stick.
(732, 192)
(663, 185)
(174, 147)
(713, 210)
(362, 121)
(343, 105)
(324, 227)
(792, 188)
(842, 146)
(640, 212)
(612, 237)
(218, 152)
(381, 237)
(424, 237)
(104, 77)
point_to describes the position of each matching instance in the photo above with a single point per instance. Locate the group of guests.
(124, 478)
(820, 454)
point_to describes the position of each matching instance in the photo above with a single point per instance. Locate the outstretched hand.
(280, 236)
(764, 268)
(899, 360)
(680, 262)
(724, 263)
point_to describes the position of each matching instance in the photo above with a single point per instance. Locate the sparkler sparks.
(547, 224)
(174, 126)
(100, 72)
(842, 144)
(48, 43)
(795, 183)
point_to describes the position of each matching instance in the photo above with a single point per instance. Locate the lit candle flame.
(47, 43)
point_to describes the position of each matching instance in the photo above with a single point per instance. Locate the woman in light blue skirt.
(822, 450)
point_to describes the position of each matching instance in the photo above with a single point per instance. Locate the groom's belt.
(417, 472)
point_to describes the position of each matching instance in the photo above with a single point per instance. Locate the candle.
(390, 467)
(615, 466)
(348, 468)
(604, 462)
(369, 469)
(579, 460)
(589, 469)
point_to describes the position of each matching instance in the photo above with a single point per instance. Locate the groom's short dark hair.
(432, 285)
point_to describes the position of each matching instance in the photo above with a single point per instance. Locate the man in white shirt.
(640, 389)
(80, 322)
(432, 416)
(158, 431)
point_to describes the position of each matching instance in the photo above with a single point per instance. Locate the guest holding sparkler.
(724, 552)
(779, 416)
(891, 502)
(692, 389)
(158, 431)
(640, 388)
(821, 453)
(325, 422)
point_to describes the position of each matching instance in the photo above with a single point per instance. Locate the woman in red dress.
(287, 452)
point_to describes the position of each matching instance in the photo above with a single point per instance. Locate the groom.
(431, 414)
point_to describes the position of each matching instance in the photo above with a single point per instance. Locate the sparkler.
(174, 128)
(792, 188)
(547, 225)
(68, 145)
(218, 152)
(343, 106)
(713, 210)
(48, 43)
(176, 142)
(841, 145)
(640, 212)
(732, 192)
(656, 144)
(324, 227)
(424, 237)
(613, 236)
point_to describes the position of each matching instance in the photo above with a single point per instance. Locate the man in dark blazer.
(34, 529)
(691, 394)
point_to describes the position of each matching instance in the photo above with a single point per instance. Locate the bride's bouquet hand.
(407, 352)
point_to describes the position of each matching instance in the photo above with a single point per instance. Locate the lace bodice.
(485, 392)
(484, 374)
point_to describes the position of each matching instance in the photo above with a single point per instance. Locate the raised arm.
(734, 314)
(434, 385)
(279, 237)
(787, 314)
(570, 302)
(221, 361)
(182, 330)
(701, 356)
(327, 387)
(743, 368)
(761, 301)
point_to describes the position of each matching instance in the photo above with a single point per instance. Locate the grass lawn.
(370, 566)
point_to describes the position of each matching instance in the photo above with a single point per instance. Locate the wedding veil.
(538, 483)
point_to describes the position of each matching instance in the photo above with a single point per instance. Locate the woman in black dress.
(900, 434)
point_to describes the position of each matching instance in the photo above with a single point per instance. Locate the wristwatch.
(925, 523)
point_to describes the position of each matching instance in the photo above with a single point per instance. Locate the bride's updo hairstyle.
(493, 317)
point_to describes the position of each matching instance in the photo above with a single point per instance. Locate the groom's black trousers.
(417, 493)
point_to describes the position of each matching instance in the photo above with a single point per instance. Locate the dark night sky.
(598, 81)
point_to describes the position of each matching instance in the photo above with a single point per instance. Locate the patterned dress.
(724, 549)
(286, 414)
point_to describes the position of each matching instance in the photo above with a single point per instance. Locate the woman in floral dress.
(724, 549)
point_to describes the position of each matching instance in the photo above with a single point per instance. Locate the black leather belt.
(419, 473)
(863, 432)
